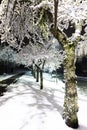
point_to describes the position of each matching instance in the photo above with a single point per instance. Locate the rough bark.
(55, 10)
(71, 98)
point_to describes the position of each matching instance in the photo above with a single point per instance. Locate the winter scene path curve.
(25, 107)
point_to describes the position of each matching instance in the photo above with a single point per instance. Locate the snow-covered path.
(25, 107)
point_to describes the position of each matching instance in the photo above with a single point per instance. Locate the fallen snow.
(5, 76)
(26, 107)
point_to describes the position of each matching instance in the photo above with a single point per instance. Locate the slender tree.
(37, 73)
(33, 69)
(39, 67)
(41, 74)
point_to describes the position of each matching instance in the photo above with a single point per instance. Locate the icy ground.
(25, 107)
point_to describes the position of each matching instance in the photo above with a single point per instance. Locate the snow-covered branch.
(44, 4)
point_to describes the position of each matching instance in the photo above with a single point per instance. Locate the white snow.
(5, 76)
(26, 107)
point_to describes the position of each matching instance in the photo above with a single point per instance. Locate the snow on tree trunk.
(70, 101)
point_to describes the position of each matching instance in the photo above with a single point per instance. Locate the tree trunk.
(41, 79)
(70, 101)
(33, 70)
(56, 13)
(37, 75)
(71, 98)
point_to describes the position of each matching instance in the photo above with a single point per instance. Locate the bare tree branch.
(55, 13)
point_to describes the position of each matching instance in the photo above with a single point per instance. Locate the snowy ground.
(5, 76)
(25, 107)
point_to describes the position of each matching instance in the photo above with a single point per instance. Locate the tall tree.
(71, 98)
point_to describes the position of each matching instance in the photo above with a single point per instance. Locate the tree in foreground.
(69, 46)
(69, 30)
